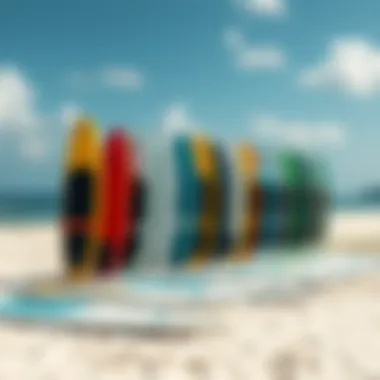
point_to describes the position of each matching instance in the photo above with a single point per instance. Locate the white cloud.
(69, 113)
(177, 119)
(299, 134)
(17, 101)
(124, 78)
(268, 8)
(249, 57)
(352, 64)
(18, 113)
(114, 76)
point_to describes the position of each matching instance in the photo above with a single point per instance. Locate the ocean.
(18, 207)
(29, 207)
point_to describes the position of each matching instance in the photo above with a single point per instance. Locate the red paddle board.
(119, 189)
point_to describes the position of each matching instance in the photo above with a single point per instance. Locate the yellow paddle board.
(247, 164)
(210, 207)
(82, 201)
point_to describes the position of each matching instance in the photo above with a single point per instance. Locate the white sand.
(332, 335)
(354, 232)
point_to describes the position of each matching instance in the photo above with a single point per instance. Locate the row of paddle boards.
(181, 202)
(138, 215)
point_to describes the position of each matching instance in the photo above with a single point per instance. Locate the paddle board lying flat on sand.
(173, 300)
(88, 313)
(208, 285)
(82, 200)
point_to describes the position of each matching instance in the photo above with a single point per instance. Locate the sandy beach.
(332, 334)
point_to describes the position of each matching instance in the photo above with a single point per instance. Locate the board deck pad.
(173, 301)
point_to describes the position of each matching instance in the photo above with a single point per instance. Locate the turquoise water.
(28, 208)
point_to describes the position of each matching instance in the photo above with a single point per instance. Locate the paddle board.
(271, 195)
(317, 200)
(82, 201)
(210, 205)
(138, 194)
(187, 201)
(224, 168)
(247, 171)
(295, 177)
(119, 195)
(160, 219)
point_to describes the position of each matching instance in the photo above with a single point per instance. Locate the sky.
(275, 72)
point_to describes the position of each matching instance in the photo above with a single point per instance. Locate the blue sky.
(271, 71)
